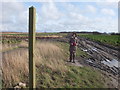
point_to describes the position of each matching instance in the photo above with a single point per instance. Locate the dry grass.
(14, 66)
(6, 47)
(15, 63)
(49, 54)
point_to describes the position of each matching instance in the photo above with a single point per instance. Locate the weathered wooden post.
(32, 22)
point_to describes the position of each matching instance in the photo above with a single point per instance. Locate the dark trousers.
(72, 56)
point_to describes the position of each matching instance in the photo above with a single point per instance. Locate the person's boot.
(73, 57)
(70, 60)
(73, 61)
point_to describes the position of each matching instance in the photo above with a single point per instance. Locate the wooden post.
(32, 22)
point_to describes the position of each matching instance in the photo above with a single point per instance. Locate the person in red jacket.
(73, 46)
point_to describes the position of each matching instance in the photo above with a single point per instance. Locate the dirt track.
(102, 57)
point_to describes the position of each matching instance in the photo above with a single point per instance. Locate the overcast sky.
(61, 16)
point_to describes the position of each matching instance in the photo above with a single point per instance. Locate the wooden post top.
(32, 7)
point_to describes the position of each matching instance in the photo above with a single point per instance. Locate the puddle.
(85, 50)
(94, 49)
(112, 63)
(89, 60)
(90, 49)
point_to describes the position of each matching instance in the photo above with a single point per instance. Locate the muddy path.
(101, 57)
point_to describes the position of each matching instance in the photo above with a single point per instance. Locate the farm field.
(13, 37)
(107, 39)
(26, 34)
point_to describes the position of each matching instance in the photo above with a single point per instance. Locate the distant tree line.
(95, 33)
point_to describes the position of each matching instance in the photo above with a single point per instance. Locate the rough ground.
(102, 57)
(99, 54)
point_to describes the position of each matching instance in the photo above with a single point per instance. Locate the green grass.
(74, 77)
(107, 39)
(9, 41)
(21, 34)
